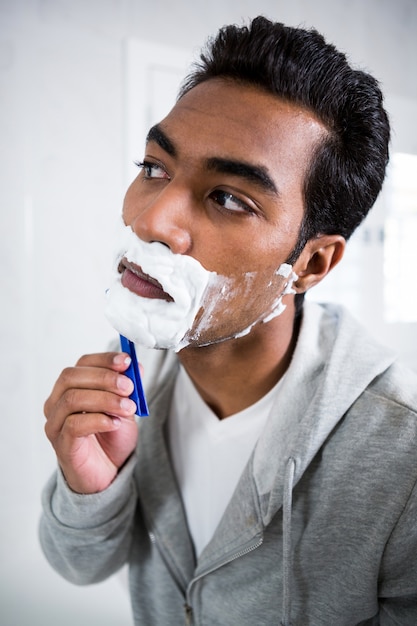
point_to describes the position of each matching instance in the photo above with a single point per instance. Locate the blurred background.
(80, 81)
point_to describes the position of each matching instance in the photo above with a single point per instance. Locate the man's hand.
(90, 420)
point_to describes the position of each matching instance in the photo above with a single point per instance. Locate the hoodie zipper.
(188, 604)
(188, 609)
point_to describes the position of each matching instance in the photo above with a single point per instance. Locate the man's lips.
(140, 283)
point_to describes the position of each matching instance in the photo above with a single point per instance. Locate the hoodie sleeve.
(86, 538)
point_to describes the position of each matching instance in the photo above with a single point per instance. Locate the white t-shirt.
(209, 454)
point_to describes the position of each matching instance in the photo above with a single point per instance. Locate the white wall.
(62, 158)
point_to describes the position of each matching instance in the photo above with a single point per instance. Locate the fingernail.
(127, 405)
(124, 383)
(122, 359)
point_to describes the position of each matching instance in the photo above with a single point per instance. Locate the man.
(274, 479)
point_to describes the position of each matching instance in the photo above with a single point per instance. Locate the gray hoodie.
(322, 527)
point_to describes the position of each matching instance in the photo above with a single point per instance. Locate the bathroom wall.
(63, 151)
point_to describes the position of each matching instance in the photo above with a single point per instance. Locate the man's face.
(222, 182)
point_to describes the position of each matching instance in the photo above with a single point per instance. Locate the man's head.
(272, 155)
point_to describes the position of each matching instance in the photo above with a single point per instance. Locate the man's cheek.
(233, 306)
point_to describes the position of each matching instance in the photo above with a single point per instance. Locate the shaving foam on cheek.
(285, 270)
(152, 322)
(224, 290)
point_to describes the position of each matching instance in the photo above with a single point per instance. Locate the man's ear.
(319, 256)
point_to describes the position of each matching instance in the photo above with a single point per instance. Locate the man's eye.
(230, 202)
(152, 170)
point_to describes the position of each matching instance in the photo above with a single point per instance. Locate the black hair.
(348, 166)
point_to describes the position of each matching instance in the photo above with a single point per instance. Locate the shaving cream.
(195, 291)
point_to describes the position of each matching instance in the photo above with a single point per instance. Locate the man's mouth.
(140, 283)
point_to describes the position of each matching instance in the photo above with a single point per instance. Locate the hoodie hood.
(333, 363)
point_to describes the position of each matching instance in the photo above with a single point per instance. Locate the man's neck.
(234, 374)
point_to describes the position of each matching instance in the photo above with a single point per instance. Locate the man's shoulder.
(397, 386)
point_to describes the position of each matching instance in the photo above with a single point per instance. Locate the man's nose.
(166, 219)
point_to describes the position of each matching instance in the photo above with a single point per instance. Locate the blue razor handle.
(138, 395)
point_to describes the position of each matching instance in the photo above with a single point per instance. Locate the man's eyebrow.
(157, 135)
(253, 173)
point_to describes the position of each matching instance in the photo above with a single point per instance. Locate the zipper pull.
(188, 614)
